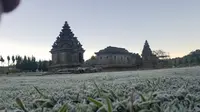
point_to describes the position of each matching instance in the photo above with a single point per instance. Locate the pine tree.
(19, 62)
(2, 60)
(44, 66)
(8, 58)
(40, 65)
(34, 64)
(16, 58)
(180, 61)
(28, 64)
(24, 63)
(13, 59)
(138, 60)
(92, 58)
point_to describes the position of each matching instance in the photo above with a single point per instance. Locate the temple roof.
(66, 40)
(146, 49)
(113, 50)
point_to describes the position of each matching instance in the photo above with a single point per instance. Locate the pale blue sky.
(171, 25)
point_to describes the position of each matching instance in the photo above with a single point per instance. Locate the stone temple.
(115, 57)
(148, 58)
(67, 51)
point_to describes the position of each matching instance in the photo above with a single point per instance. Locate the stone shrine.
(67, 51)
(148, 58)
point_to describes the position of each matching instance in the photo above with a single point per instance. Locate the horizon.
(172, 26)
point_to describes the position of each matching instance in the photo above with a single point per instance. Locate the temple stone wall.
(65, 58)
(115, 60)
(54, 58)
(115, 57)
(75, 58)
(62, 56)
(132, 60)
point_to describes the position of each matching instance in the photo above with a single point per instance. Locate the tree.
(164, 58)
(19, 62)
(138, 61)
(180, 62)
(8, 58)
(161, 54)
(2, 60)
(13, 59)
(189, 60)
(185, 61)
(194, 60)
(45, 65)
(29, 64)
(33, 64)
(50, 62)
(24, 64)
(16, 58)
(198, 59)
(93, 58)
(40, 65)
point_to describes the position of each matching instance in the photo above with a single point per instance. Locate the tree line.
(164, 61)
(26, 63)
(191, 59)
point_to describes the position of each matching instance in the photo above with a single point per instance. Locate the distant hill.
(194, 53)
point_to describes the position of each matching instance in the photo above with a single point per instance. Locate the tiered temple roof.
(146, 50)
(66, 40)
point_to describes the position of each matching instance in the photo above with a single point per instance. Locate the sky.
(170, 25)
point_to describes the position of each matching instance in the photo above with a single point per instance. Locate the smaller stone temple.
(66, 51)
(148, 58)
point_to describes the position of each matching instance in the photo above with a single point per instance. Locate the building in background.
(66, 51)
(148, 58)
(115, 57)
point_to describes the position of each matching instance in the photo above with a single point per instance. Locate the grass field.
(166, 90)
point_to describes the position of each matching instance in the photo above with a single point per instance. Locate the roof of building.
(66, 40)
(113, 50)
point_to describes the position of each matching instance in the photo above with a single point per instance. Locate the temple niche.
(66, 51)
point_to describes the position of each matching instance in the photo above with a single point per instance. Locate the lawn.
(163, 90)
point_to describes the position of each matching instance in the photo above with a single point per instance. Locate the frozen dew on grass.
(164, 90)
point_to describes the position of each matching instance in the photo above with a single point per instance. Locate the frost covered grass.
(167, 90)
